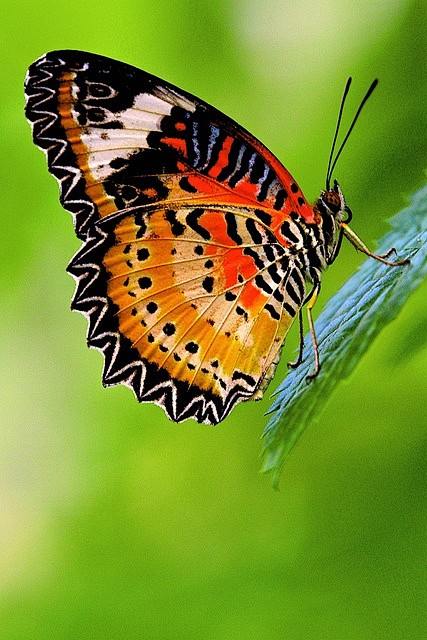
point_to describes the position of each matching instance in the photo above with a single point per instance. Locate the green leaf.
(349, 324)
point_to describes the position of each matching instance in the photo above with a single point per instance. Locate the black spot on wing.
(241, 312)
(143, 254)
(263, 216)
(177, 227)
(232, 233)
(278, 295)
(239, 375)
(280, 199)
(292, 293)
(169, 329)
(248, 251)
(144, 162)
(192, 347)
(263, 284)
(185, 185)
(272, 311)
(289, 309)
(285, 230)
(152, 307)
(208, 284)
(118, 163)
(192, 220)
(145, 282)
(274, 274)
(253, 231)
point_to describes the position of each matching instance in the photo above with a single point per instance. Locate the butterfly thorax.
(323, 238)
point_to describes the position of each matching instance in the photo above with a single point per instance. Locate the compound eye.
(332, 201)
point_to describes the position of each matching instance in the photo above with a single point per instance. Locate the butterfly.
(199, 248)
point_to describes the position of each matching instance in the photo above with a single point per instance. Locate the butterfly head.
(333, 202)
(332, 209)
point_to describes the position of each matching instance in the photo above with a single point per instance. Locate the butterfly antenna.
(362, 104)
(337, 128)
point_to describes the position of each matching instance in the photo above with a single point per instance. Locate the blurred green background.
(116, 523)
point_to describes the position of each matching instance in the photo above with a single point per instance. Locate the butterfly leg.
(296, 363)
(360, 246)
(310, 304)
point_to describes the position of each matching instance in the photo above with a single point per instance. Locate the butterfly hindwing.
(186, 274)
(185, 315)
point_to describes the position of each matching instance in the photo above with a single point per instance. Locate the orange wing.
(188, 274)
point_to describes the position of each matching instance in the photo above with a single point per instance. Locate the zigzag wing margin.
(123, 364)
(41, 88)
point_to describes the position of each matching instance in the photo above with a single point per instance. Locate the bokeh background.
(116, 523)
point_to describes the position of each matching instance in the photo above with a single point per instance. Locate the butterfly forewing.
(188, 262)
